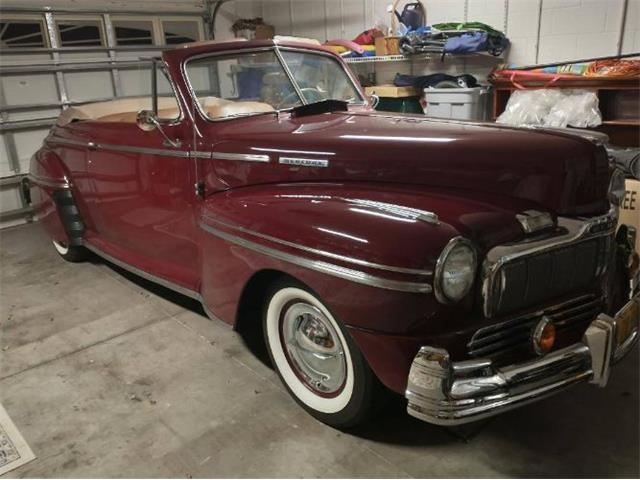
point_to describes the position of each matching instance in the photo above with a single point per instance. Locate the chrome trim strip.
(304, 162)
(48, 182)
(323, 267)
(146, 275)
(570, 231)
(289, 74)
(315, 251)
(151, 151)
(120, 148)
(241, 157)
(65, 141)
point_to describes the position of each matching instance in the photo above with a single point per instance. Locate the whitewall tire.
(70, 253)
(315, 357)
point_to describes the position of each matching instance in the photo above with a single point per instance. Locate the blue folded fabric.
(467, 43)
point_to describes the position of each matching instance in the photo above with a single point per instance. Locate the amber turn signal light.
(544, 336)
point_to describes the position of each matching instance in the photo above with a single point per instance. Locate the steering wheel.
(315, 92)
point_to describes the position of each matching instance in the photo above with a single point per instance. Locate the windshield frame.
(277, 50)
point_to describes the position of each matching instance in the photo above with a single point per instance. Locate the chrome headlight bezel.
(617, 187)
(439, 287)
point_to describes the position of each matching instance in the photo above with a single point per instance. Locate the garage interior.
(106, 374)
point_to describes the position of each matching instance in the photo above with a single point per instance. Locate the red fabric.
(368, 37)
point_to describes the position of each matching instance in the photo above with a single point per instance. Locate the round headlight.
(455, 270)
(617, 187)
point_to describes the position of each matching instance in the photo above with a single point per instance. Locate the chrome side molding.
(321, 266)
(48, 181)
(323, 253)
(141, 273)
(166, 152)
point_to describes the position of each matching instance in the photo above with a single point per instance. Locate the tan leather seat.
(118, 110)
(230, 109)
(131, 117)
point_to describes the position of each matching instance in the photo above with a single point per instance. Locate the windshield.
(256, 82)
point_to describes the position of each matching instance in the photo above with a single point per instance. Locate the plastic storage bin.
(455, 103)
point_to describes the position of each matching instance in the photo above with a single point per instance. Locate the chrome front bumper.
(451, 393)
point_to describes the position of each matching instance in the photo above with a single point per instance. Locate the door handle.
(92, 146)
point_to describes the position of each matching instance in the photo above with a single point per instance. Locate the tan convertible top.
(126, 109)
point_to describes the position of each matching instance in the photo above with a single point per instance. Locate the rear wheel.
(315, 357)
(70, 253)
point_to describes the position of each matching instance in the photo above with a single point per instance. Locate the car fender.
(379, 240)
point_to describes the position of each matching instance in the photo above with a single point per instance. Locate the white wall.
(568, 29)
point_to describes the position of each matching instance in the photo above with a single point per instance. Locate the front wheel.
(70, 253)
(316, 359)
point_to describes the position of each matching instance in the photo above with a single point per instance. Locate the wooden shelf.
(618, 102)
(635, 122)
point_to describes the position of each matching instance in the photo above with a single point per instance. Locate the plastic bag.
(553, 107)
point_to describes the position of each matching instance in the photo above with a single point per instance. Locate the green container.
(400, 104)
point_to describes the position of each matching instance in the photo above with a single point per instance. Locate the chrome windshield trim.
(277, 49)
(242, 157)
(292, 79)
(323, 253)
(141, 273)
(323, 267)
(48, 182)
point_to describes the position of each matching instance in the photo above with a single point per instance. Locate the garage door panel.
(9, 199)
(85, 86)
(30, 89)
(21, 115)
(27, 142)
(5, 164)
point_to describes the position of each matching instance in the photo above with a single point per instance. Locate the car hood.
(561, 173)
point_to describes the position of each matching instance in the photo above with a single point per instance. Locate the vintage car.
(472, 268)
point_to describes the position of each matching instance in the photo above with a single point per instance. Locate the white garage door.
(51, 60)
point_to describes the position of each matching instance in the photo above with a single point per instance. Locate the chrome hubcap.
(314, 348)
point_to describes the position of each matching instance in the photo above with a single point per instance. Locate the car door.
(143, 195)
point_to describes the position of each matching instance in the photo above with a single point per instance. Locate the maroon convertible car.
(471, 268)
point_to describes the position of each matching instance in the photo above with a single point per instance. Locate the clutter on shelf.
(252, 28)
(409, 34)
(552, 108)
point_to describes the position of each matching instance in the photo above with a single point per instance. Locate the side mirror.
(374, 100)
(147, 120)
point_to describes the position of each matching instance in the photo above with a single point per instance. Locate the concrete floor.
(107, 375)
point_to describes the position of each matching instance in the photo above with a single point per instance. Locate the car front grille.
(570, 319)
(534, 279)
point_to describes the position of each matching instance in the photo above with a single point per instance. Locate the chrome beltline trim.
(141, 273)
(66, 141)
(151, 151)
(119, 148)
(324, 267)
(243, 157)
(48, 182)
(315, 251)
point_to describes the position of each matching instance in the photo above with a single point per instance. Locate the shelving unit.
(619, 102)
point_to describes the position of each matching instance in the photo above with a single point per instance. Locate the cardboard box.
(630, 208)
(264, 32)
(392, 91)
(387, 46)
